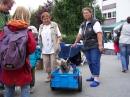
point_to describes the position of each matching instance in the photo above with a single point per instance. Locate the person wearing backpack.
(34, 58)
(18, 40)
(91, 32)
(116, 44)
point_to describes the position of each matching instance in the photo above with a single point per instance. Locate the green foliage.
(36, 15)
(33, 19)
(68, 13)
(70, 39)
(99, 14)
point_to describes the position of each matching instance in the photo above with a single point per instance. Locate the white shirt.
(96, 27)
(48, 47)
(125, 34)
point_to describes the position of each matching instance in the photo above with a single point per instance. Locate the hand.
(100, 48)
(37, 63)
(57, 42)
(75, 45)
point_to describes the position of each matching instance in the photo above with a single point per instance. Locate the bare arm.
(59, 39)
(79, 36)
(99, 37)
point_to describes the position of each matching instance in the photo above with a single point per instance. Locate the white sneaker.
(31, 90)
(48, 79)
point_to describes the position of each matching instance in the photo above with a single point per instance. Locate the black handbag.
(118, 32)
(116, 39)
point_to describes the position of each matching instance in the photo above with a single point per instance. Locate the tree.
(68, 13)
(99, 14)
(36, 14)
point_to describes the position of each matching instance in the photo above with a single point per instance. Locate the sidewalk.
(113, 83)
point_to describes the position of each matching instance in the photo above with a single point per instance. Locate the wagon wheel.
(80, 83)
(52, 88)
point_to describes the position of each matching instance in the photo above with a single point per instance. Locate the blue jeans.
(118, 55)
(125, 52)
(93, 57)
(9, 91)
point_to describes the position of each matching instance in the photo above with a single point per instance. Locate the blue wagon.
(66, 80)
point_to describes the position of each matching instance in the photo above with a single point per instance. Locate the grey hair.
(88, 9)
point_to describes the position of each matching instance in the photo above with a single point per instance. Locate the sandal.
(90, 79)
(94, 84)
(124, 70)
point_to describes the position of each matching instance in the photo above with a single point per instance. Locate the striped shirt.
(3, 20)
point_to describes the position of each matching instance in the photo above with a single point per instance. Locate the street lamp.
(94, 5)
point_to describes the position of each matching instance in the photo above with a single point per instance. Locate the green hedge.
(70, 39)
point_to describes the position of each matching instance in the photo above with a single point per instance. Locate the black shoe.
(2, 86)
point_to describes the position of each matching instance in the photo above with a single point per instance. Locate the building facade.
(114, 10)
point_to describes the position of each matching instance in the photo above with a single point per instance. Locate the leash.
(69, 52)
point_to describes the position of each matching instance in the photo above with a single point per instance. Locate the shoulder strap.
(119, 31)
(121, 28)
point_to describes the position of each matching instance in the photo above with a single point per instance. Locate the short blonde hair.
(45, 14)
(21, 13)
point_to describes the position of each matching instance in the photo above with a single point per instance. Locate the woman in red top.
(21, 77)
(116, 48)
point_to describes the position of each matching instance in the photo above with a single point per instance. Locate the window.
(105, 15)
(114, 14)
(109, 14)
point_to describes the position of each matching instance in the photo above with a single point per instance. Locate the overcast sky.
(33, 4)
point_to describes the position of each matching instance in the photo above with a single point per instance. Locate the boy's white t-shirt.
(48, 46)
(96, 27)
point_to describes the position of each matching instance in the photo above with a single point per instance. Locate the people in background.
(5, 6)
(49, 39)
(34, 58)
(116, 48)
(124, 44)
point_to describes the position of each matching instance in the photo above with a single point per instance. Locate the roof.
(112, 26)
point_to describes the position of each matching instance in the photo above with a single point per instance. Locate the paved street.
(113, 83)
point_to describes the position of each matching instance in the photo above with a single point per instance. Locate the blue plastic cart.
(66, 80)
